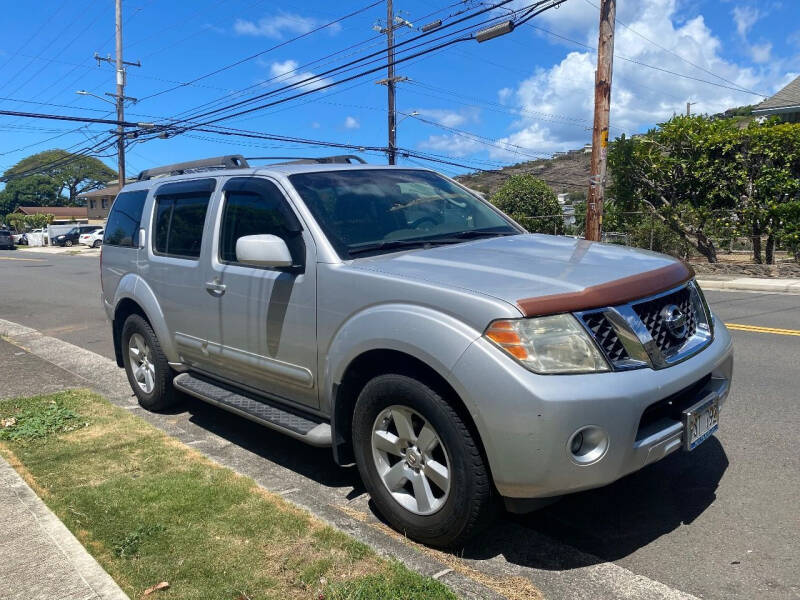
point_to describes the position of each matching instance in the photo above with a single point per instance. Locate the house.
(98, 202)
(785, 104)
(63, 214)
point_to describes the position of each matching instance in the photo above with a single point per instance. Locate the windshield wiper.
(390, 244)
(450, 238)
(476, 233)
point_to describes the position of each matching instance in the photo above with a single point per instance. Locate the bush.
(531, 202)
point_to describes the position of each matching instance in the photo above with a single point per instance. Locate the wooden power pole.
(390, 83)
(392, 22)
(120, 98)
(602, 108)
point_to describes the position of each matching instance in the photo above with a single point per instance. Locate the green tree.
(531, 202)
(73, 174)
(34, 190)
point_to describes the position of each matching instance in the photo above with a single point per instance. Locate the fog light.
(588, 445)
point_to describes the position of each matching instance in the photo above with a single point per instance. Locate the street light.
(411, 114)
(85, 93)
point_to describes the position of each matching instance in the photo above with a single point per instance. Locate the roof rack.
(230, 161)
(304, 160)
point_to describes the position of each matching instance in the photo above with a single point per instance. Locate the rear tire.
(437, 491)
(68, 243)
(146, 366)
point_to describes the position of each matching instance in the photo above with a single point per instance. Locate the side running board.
(306, 428)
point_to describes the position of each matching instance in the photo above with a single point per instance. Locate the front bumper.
(526, 420)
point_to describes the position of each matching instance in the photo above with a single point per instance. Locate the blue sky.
(518, 97)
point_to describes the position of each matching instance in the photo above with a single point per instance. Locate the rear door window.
(125, 219)
(180, 218)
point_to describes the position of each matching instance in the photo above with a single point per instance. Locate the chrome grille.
(654, 332)
(651, 314)
(605, 336)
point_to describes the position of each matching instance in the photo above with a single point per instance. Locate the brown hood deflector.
(611, 293)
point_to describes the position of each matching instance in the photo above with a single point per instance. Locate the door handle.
(215, 288)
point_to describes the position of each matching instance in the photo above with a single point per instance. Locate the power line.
(686, 60)
(643, 64)
(351, 64)
(270, 49)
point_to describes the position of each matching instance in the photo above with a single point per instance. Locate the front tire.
(146, 366)
(96, 244)
(420, 462)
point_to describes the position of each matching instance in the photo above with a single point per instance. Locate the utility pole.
(602, 108)
(391, 80)
(120, 94)
(689, 108)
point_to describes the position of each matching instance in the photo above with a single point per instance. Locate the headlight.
(555, 344)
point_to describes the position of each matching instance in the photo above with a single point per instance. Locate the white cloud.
(745, 17)
(556, 104)
(761, 53)
(286, 71)
(351, 123)
(283, 23)
(452, 145)
(449, 118)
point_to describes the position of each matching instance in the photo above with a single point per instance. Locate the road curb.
(471, 579)
(58, 540)
(775, 286)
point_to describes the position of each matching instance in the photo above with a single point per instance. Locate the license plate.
(700, 422)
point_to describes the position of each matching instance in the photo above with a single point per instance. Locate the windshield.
(368, 210)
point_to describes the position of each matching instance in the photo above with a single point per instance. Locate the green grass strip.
(151, 509)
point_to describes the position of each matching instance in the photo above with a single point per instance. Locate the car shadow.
(609, 523)
(314, 463)
(583, 529)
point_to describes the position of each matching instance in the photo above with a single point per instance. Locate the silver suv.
(398, 318)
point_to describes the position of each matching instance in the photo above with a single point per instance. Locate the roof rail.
(303, 160)
(230, 161)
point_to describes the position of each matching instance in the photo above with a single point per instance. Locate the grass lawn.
(151, 509)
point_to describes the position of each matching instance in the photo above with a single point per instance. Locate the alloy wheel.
(411, 459)
(142, 367)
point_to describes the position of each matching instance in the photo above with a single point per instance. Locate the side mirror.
(263, 251)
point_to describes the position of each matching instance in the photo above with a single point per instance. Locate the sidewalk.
(41, 559)
(749, 284)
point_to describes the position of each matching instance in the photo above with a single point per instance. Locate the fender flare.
(133, 287)
(430, 336)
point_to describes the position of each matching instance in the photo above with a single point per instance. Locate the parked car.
(6, 240)
(93, 239)
(73, 235)
(17, 237)
(396, 317)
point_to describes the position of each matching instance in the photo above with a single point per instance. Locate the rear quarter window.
(125, 219)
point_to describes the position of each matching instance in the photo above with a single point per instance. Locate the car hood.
(540, 274)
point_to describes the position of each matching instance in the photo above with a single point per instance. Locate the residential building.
(98, 202)
(785, 104)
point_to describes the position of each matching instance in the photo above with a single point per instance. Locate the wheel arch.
(379, 361)
(134, 296)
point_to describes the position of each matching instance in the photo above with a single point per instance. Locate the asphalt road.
(721, 523)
